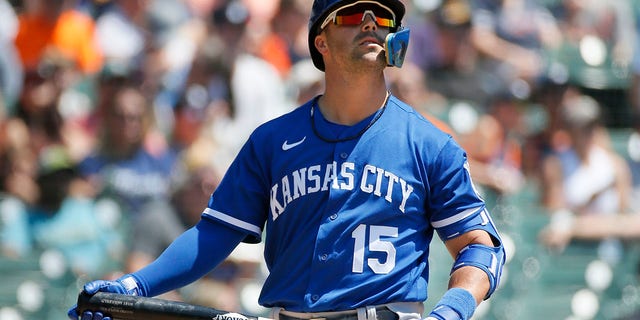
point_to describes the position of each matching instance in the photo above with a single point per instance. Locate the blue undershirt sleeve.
(192, 255)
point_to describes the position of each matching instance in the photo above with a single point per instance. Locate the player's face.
(355, 36)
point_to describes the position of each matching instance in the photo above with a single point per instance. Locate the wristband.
(455, 304)
(131, 283)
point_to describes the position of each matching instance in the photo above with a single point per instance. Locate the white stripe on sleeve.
(233, 221)
(453, 219)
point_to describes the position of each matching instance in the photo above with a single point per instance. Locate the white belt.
(404, 311)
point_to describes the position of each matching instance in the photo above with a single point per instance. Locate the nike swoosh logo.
(286, 145)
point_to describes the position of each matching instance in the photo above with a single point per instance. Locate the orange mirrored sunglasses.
(354, 14)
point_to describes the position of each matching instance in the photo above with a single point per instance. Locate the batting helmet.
(322, 8)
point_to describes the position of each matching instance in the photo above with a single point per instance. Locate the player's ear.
(321, 43)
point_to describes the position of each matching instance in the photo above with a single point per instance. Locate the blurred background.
(119, 117)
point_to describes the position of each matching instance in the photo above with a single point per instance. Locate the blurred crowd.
(119, 117)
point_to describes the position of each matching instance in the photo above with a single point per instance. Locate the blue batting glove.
(126, 284)
(87, 315)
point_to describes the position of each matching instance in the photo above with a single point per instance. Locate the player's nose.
(369, 22)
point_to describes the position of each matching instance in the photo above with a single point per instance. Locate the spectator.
(495, 146)
(66, 220)
(11, 72)
(262, 39)
(204, 157)
(410, 85)
(46, 106)
(612, 22)
(304, 81)
(124, 168)
(206, 106)
(511, 36)
(121, 35)
(18, 187)
(256, 89)
(177, 32)
(52, 25)
(584, 176)
(598, 51)
(290, 23)
(43, 205)
(207, 95)
(491, 142)
(441, 47)
(544, 122)
(199, 182)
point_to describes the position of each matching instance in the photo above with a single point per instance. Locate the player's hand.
(124, 285)
(88, 315)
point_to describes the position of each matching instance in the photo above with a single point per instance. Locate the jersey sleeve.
(455, 205)
(241, 198)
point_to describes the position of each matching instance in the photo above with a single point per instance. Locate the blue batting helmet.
(322, 8)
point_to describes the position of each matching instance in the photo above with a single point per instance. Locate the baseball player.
(346, 192)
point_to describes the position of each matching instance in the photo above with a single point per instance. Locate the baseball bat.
(126, 307)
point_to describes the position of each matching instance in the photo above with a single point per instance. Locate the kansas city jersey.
(348, 211)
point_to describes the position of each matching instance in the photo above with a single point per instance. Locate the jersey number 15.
(376, 244)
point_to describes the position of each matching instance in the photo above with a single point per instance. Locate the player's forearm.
(479, 257)
(468, 286)
(189, 257)
(471, 279)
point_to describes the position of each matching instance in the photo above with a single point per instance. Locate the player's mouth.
(370, 40)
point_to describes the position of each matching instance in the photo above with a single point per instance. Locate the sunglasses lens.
(354, 15)
(356, 19)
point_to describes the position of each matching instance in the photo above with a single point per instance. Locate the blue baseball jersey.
(348, 212)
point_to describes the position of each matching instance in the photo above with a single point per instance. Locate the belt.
(382, 313)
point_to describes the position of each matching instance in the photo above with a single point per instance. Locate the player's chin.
(372, 65)
(370, 61)
(376, 57)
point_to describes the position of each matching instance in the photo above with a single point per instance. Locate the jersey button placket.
(340, 156)
(324, 247)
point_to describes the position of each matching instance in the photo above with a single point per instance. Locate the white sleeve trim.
(453, 219)
(233, 221)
